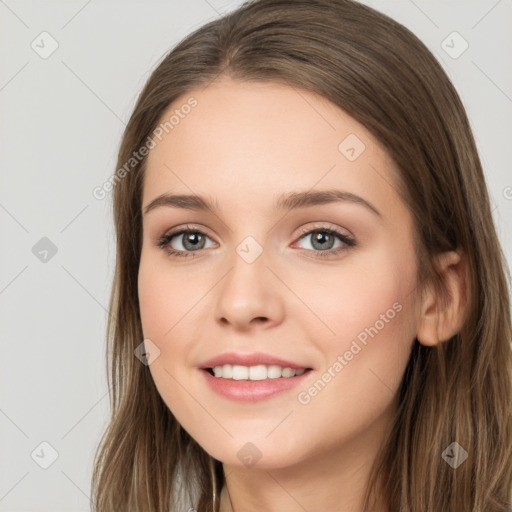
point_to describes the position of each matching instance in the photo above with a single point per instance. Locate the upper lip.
(252, 359)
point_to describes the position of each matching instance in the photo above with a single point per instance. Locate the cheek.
(154, 299)
(363, 313)
(369, 288)
(163, 310)
(166, 298)
(363, 326)
(171, 303)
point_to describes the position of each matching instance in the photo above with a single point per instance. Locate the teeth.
(258, 372)
(239, 372)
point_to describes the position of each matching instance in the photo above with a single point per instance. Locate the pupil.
(323, 238)
(191, 241)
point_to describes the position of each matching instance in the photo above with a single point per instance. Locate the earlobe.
(442, 313)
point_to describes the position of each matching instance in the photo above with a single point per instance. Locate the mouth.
(254, 383)
(252, 366)
(255, 373)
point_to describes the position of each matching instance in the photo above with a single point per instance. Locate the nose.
(249, 295)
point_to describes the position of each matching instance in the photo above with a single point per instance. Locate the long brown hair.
(461, 390)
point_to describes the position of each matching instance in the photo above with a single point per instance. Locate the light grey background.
(60, 125)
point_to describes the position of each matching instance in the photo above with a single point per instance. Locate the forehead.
(249, 140)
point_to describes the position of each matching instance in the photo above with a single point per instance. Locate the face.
(324, 282)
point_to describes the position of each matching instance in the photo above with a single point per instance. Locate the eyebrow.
(289, 201)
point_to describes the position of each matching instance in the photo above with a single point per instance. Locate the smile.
(258, 372)
(247, 385)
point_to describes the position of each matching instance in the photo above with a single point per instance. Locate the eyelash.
(164, 242)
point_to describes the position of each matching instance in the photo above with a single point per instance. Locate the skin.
(243, 145)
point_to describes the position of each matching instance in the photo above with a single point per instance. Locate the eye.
(323, 241)
(183, 242)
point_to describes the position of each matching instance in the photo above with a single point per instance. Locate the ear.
(442, 313)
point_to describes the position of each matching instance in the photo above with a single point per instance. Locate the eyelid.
(303, 230)
(180, 230)
(348, 240)
(324, 226)
(184, 228)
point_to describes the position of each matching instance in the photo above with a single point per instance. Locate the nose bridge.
(248, 291)
(246, 279)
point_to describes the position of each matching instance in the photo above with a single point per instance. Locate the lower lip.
(252, 390)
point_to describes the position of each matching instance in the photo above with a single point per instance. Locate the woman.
(341, 338)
